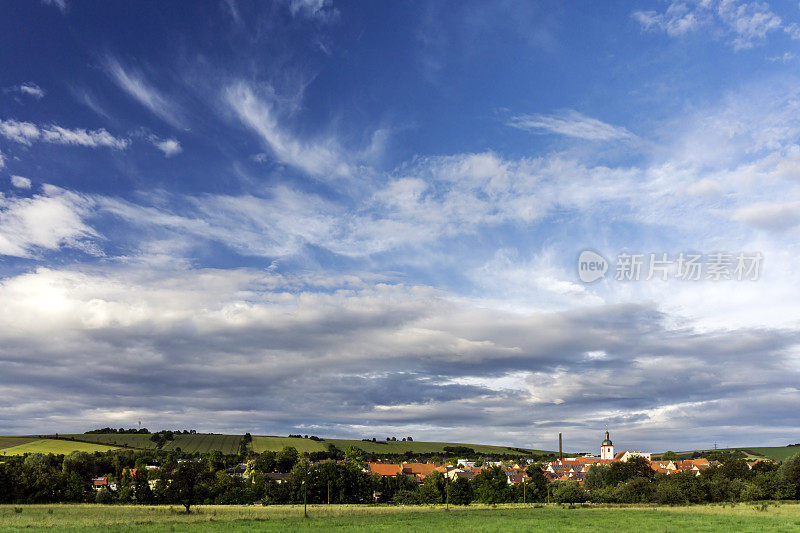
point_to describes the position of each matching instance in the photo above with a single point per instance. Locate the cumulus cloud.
(169, 147)
(317, 9)
(27, 133)
(745, 24)
(134, 83)
(21, 182)
(47, 221)
(571, 124)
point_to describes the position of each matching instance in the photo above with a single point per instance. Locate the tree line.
(189, 479)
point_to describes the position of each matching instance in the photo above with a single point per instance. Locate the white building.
(607, 448)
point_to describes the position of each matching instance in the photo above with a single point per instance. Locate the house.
(99, 483)
(627, 455)
(385, 469)
(279, 477)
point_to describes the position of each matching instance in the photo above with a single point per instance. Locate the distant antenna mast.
(715, 445)
(140, 424)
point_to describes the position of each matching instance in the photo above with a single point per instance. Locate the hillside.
(229, 444)
(777, 453)
(54, 446)
(265, 443)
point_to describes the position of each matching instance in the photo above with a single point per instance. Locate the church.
(607, 452)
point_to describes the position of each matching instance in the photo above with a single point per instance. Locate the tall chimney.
(560, 452)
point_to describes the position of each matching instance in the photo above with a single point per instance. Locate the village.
(517, 472)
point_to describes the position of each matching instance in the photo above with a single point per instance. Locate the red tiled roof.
(385, 469)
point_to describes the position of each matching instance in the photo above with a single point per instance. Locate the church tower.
(607, 448)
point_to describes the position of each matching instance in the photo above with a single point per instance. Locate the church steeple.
(607, 448)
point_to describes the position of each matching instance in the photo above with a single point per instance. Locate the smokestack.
(560, 451)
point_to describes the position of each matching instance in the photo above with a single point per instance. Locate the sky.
(364, 219)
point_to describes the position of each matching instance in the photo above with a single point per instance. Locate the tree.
(432, 489)
(461, 492)
(597, 477)
(286, 459)
(491, 486)
(537, 484)
(186, 482)
(265, 462)
(669, 456)
(790, 473)
(354, 456)
(214, 460)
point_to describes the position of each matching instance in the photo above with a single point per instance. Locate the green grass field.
(514, 517)
(54, 446)
(262, 444)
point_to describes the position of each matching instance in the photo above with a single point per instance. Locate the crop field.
(262, 444)
(512, 517)
(204, 442)
(200, 442)
(114, 439)
(55, 447)
(8, 442)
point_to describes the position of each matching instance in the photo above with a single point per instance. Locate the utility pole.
(305, 488)
(524, 490)
(447, 492)
(329, 492)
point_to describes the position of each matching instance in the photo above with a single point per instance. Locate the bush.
(669, 494)
(103, 496)
(569, 492)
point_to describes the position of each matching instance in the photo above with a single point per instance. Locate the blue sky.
(363, 219)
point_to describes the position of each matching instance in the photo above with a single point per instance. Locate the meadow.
(53, 446)
(741, 517)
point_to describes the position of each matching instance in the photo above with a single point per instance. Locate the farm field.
(8, 442)
(263, 443)
(743, 517)
(54, 446)
(200, 442)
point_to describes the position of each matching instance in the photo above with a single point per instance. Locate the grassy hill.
(229, 444)
(200, 442)
(54, 446)
(777, 453)
(264, 443)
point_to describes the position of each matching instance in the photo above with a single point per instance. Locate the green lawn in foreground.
(743, 517)
(54, 446)
(261, 444)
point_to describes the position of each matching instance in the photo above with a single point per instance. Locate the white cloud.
(321, 157)
(2, 160)
(745, 24)
(29, 89)
(60, 4)
(170, 147)
(21, 182)
(572, 124)
(27, 133)
(47, 221)
(134, 83)
(318, 9)
(775, 216)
